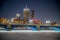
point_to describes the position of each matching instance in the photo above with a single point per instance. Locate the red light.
(36, 21)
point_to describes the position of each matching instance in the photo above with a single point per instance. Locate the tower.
(32, 14)
(26, 14)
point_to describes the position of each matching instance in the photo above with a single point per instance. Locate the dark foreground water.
(29, 36)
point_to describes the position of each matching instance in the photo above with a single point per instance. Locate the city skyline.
(44, 9)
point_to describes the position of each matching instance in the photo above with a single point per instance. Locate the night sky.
(44, 9)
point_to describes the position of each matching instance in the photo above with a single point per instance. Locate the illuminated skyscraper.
(32, 14)
(26, 13)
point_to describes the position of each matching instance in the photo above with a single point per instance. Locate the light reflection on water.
(52, 29)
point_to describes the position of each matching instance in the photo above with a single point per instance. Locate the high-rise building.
(16, 19)
(26, 14)
(32, 14)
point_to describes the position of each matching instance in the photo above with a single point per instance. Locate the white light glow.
(12, 20)
(26, 9)
(18, 15)
(28, 31)
(47, 21)
(30, 21)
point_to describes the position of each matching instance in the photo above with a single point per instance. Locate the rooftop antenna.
(26, 5)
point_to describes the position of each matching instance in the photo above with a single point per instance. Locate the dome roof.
(17, 15)
(26, 9)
